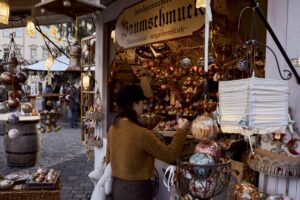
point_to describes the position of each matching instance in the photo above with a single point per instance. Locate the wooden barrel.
(24, 150)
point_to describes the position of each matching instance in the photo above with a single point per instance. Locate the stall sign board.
(153, 21)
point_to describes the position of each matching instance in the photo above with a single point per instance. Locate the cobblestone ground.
(61, 151)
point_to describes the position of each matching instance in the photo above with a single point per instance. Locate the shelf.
(88, 92)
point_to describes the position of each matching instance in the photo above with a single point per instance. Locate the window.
(6, 33)
(19, 32)
(33, 53)
(19, 51)
(45, 53)
(5, 54)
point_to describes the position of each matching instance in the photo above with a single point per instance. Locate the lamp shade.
(200, 3)
(4, 12)
(30, 27)
(259, 105)
(86, 81)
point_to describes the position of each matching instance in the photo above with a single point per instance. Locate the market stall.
(172, 72)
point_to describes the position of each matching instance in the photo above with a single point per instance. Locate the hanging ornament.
(30, 27)
(186, 63)
(53, 30)
(49, 62)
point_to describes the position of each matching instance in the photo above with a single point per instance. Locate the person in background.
(132, 149)
(74, 104)
(56, 90)
(47, 103)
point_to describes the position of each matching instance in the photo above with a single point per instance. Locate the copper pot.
(3, 107)
(2, 90)
(7, 77)
(15, 94)
(13, 103)
(13, 62)
(22, 77)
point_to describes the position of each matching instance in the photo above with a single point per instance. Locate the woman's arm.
(168, 153)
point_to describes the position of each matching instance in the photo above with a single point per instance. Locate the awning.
(60, 64)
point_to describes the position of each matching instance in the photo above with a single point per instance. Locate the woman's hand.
(183, 123)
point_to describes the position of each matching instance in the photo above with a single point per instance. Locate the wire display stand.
(202, 181)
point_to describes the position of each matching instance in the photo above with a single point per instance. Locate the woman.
(132, 149)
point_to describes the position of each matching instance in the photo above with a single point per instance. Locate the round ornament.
(26, 107)
(209, 147)
(202, 188)
(245, 191)
(201, 159)
(14, 133)
(204, 128)
(186, 63)
(13, 118)
(13, 103)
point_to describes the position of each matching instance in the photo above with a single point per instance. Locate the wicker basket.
(26, 194)
(203, 181)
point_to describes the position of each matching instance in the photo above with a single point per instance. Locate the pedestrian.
(56, 91)
(132, 149)
(47, 102)
(74, 104)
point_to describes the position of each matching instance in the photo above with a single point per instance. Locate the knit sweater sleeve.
(168, 153)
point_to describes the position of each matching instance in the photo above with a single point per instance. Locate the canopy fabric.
(60, 64)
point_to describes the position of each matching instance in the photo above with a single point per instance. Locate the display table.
(33, 97)
(21, 191)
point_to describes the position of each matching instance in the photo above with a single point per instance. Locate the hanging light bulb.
(67, 3)
(200, 3)
(86, 81)
(30, 28)
(4, 11)
(113, 36)
(49, 62)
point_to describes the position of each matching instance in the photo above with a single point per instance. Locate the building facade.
(30, 48)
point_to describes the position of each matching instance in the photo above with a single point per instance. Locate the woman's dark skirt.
(131, 190)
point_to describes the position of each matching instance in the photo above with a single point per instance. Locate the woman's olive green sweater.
(131, 150)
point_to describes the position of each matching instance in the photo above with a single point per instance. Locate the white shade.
(30, 27)
(261, 103)
(4, 12)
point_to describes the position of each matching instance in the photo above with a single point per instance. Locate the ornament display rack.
(87, 94)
